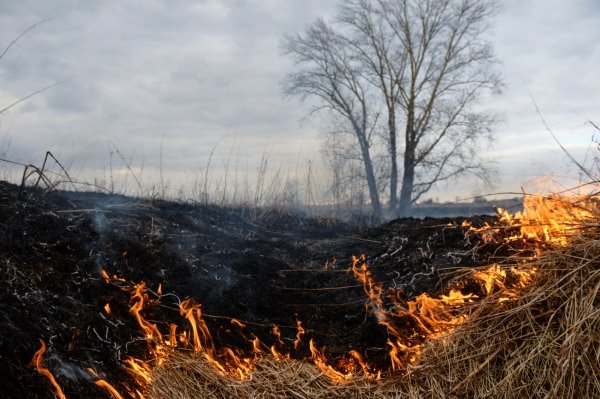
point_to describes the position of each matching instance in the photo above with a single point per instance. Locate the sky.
(163, 84)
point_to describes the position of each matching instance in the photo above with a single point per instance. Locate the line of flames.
(548, 220)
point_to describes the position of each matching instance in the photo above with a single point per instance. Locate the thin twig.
(567, 153)
(33, 94)
(26, 31)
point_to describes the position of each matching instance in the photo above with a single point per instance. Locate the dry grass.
(188, 375)
(546, 344)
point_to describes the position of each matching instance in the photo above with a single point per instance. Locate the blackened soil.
(260, 267)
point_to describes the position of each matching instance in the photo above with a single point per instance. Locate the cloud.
(204, 70)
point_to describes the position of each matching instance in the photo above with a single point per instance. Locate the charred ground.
(260, 267)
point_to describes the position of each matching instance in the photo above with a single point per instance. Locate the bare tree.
(425, 63)
(329, 73)
(373, 43)
(448, 65)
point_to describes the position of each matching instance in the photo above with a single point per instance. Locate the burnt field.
(250, 270)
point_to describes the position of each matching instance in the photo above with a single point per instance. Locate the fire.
(409, 323)
(433, 318)
(551, 219)
(193, 313)
(275, 331)
(140, 369)
(151, 331)
(109, 388)
(321, 362)
(105, 385)
(37, 363)
(238, 323)
(299, 335)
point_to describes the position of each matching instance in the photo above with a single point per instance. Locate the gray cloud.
(201, 71)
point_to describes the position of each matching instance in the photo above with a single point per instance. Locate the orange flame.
(275, 331)
(37, 363)
(200, 333)
(321, 362)
(173, 335)
(299, 335)
(105, 276)
(549, 219)
(150, 330)
(140, 369)
(238, 323)
(113, 392)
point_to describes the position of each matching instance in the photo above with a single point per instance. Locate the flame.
(275, 331)
(200, 333)
(37, 363)
(550, 219)
(299, 335)
(256, 347)
(238, 323)
(321, 362)
(113, 392)
(104, 384)
(151, 331)
(278, 355)
(173, 335)
(140, 369)
(353, 363)
(545, 221)
(374, 291)
(433, 318)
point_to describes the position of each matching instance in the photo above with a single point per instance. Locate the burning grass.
(543, 342)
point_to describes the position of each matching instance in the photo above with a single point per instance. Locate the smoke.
(69, 370)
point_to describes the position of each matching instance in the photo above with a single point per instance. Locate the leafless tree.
(373, 43)
(329, 73)
(425, 63)
(449, 63)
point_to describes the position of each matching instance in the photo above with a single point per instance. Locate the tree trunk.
(408, 178)
(394, 159)
(407, 185)
(372, 184)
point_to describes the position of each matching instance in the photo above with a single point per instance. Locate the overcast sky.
(191, 74)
